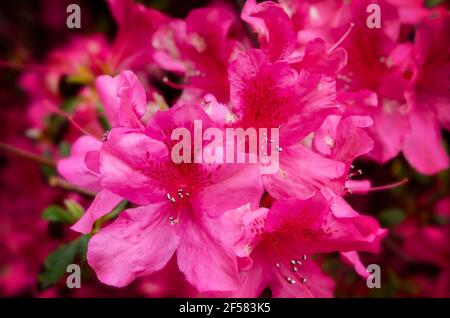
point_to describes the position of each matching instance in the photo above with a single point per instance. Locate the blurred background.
(36, 243)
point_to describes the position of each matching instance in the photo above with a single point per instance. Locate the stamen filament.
(167, 81)
(339, 42)
(390, 186)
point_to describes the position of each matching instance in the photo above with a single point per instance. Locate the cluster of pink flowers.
(336, 89)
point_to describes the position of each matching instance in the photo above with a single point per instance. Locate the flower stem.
(55, 181)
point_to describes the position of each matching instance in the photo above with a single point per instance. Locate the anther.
(289, 280)
(170, 198)
(105, 136)
(172, 220)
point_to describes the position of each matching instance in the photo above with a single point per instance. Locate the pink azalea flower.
(410, 11)
(43, 83)
(180, 208)
(132, 46)
(124, 99)
(375, 61)
(281, 241)
(429, 244)
(82, 169)
(319, 18)
(125, 103)
(429, 101)
(344, 139)
(200, 48)
(274, 28)
(272, 95)
(83, 58)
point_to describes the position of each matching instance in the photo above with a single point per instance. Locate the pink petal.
(423, 146)
(352, 258)
(318, 285)
(252, 280)
(206, 256)
(258, 84)
(124, 99)
(310, 227)
(74, 168)
(163, 123)
(316, 59)
(131, 164)
(301, 173)
(274, 27)
(388, 132)
(136, 24)
(239, 184)
(343, 139)
(140, 242)
(103, 203)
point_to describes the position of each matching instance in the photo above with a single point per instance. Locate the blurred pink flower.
(200, 48)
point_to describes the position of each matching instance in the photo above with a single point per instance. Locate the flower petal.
(131, 164)
(74, 168)
(140, 242)
(317, 285)
(104, 202)
(423, 146)
(206, 254)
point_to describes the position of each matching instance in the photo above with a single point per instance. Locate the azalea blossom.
(378, 57)
(240, 149)
(182, 203)
(281, 241)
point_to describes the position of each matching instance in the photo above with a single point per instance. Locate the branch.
(55, 181)
(27, 154)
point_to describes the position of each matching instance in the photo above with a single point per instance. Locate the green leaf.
(441, 220)
(56, 127)
(82, 245)
(56, 263)
(115, 212)
(69, 104)
(432, 3)
(74, 209)
(55, 213)
(104, 123)
(391, 217)
(48, 171)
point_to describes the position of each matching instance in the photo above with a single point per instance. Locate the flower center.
(286, 264)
